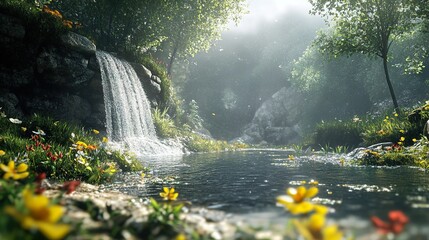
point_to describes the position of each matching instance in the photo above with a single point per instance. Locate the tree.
(176, 27)
(366, 26)
(191, 26)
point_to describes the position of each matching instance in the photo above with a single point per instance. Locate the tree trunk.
(389, 83)
(173, 56)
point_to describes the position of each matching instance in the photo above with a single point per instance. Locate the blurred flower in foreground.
(169, 194)
(396, 223)
(315, 228)
(40, 215)
(70, 186)
(10, 172)
(2, 152)
(297, 200)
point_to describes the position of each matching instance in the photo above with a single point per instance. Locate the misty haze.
(231, 119)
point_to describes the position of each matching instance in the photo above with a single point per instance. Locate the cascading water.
(128, 114)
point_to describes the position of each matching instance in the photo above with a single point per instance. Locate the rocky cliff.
(59, 78)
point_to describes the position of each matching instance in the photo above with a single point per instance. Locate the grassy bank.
(406, 141)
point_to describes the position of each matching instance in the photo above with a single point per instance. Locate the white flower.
(39, 132)
(15, 120)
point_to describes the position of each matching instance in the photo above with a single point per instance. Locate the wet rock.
(78, 43)
(9, 103)
(62, 68)
(142, 71)
(150, 83)
(66, 107)
(156, 79)
(15, 78)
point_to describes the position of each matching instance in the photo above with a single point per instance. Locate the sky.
(263, 11)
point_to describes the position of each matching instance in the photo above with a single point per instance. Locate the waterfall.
(128, 113)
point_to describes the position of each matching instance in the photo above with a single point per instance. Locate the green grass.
(368, 130)
(52, 147)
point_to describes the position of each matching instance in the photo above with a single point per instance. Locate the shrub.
(336, 133)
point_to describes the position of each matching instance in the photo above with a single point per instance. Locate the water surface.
(247, 182)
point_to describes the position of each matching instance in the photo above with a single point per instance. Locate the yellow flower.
(10, 172)
(81, 145)
(169, 194)
(396, 115)
(2, 152)
(332, 233)
(296, 200)
(105, 139)
(181, 236)
(312, 182)
(23, 129)
(414, 140)
(291, 157)
(40, 215)
(110, 170)
(402, 139)
(95, 131)
(315, 228)
(402, 131)
(301, 193)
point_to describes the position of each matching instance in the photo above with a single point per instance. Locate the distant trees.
(183, 27)
(366, 26)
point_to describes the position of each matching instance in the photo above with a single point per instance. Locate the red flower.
(46, 147)
(40, 177)
(70, 186)
(396, 224)
(29, 148)
(34, 137)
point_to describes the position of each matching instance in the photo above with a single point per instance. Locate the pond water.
(247, 182)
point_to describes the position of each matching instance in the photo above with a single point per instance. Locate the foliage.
(61, 151)
(166, 128)
(164, 125)
(338, 133)
(367, 27)
(131, 25)
(197, 143)
(372, 129)
(164, 219)
(40, 24)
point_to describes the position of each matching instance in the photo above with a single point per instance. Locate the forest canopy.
(178, 28)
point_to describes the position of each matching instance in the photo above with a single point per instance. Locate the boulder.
(78, 43)
(9, 103)
(15, 78)
(63, 106)
(150, 83)
(63, 68)
(276, 121)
